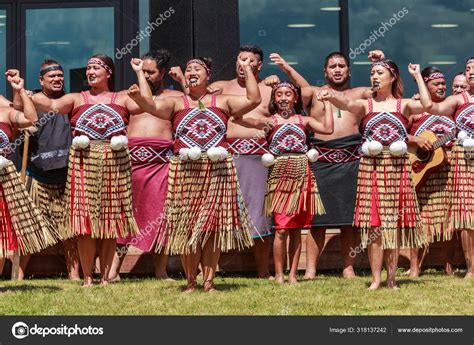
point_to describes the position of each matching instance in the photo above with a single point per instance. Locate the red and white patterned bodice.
(464, 117)
(438, 124)
(202, 128)
(6, 136)
(288, 137)
(385, 127)
(99, 121)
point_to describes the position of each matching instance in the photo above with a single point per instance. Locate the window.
(71, 36)
(303, 33)
(428, 32)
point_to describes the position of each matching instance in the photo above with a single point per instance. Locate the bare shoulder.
(360, 92)
(171, 93)
(4, 102)
(220, 84)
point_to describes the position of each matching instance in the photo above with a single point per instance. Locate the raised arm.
(341, 101)
(240, 105)
(321, 124)
(177, 75)
(163, 109)
(295, 77)
(29, 115)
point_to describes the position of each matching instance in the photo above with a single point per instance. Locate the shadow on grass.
(26, 288)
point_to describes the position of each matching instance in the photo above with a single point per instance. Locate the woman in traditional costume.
(460, 216)
(434, 193)
(98, 199)
(22, 226)
(205, 212)
(386, 209)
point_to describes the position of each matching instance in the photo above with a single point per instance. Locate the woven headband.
(285, 84)
(201, 63)
(384, 63)
(97, 61)
(50, 68)
(435, 75)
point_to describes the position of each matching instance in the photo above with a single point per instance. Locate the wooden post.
(16, 254)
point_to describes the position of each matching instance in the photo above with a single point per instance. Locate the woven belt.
(147, 154)
(338, 155)
(246, 146)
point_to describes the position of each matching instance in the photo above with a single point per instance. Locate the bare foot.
(104, 282)
(309, 276)
(74, 278)
(88, 282)
(115, 279)
(391, 284)
(292, 280)
(271, 278)
(414, 273)
(469, 275)
(448, 270)
(348, 273)
(279, 279)
(374, 286)
(190, 288)
(209, 287)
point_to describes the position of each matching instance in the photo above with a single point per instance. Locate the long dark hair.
(272, 108)
(397, 85)
(110, 63)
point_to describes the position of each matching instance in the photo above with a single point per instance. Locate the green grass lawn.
(431, 294)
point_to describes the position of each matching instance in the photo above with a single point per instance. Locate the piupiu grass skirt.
(204, 199)
(433, 199)
(98, 197)
(386, 199)
(48, 197)
(292, 195)
(461, 176)
(22, 226)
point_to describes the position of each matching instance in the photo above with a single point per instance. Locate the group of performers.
(229, 165)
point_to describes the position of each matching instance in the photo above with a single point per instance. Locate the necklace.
(200, 104)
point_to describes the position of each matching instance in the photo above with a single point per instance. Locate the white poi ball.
(223, 153)
(398, 148)
(312, 155)
(468, 144)
(124, 141)
(3, 162)
(462, 135)
(116, 143)
(81, 142)
(194, 153)
(184, 154)
(268, 160)
(214, 154)
(375, 147)
(365, 148)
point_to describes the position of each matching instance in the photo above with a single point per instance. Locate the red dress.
(98, 190)
(386, 196)
(288, 140)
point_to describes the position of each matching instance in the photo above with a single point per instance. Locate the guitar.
(425, 162)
